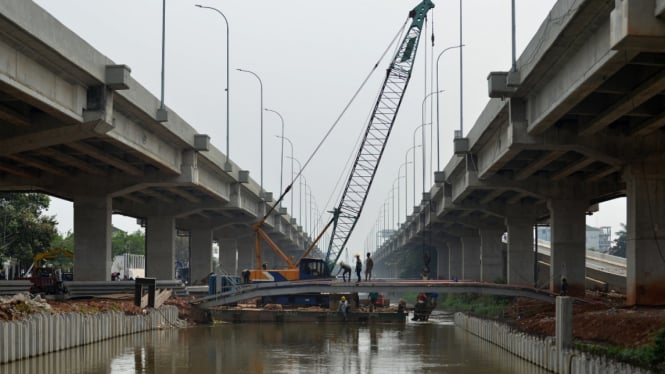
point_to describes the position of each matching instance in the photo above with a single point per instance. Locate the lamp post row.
(228, 166)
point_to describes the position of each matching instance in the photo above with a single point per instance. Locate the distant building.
(597, 239)
(544, 233)
(592, 238)
(605, 239)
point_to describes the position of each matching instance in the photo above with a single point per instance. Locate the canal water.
(436, 346)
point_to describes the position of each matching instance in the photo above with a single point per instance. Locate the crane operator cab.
(312, 268)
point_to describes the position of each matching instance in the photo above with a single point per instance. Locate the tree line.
(25, 230)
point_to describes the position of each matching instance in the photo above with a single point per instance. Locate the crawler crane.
(346, 214)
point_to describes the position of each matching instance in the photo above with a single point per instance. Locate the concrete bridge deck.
(76, 125)
(579, 121)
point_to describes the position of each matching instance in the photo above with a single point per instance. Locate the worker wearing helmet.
(343, 306)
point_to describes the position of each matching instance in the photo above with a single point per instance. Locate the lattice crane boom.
(376, 136)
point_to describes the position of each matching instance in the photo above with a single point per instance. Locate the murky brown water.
(433, 347)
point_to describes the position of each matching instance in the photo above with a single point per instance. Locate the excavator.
(48, 279)
(346, 214)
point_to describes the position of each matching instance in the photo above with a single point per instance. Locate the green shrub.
(480, 305)
(650, 356)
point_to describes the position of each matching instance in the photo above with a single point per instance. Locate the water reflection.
(433, 347)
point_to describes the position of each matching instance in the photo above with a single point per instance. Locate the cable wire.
(353, 97)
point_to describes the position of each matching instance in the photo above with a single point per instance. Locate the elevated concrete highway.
(578, 122)
(75, 125)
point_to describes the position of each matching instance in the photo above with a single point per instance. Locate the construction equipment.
(48, 279)
(425, 304)
(381, 121)
(304, 268)
(376, 136)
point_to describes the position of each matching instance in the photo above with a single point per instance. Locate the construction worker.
(347, 270)
(369, 264)
(359, 267)
(344, 304)
(373, 297)
(564, 286)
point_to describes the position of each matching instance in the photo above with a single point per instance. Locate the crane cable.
(339, 117)
(337, 191)
(362, 85)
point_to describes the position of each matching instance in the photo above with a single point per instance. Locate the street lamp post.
(227, 165)
(281, 158)
(291, 144)
(261, 87)
(309, 220)
(386, 217)
(314, 217)
(438, 142)
(392, 194)
(399, 172)
(299, 188)
(406, 187)
(379, 220)
(423, 132)
(414, 161)
(304, 221)
(161, 100)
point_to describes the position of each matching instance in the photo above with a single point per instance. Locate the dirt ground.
(604, 320)
(19, 309)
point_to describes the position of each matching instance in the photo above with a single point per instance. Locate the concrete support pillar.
(568, 259)
(160, 247)
(471, 257)
(491, 255)
(442, 261)
(564, 323)
(520, 257)
(272, 260)
(200, 257)
(92, 238)
(228, 257)
(247, 255)
(394, 271)
(645, 252)
(455, 259)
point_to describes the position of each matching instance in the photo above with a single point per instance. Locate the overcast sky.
(311, 57)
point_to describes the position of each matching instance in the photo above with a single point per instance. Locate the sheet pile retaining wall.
(44, 333)
(542, 351)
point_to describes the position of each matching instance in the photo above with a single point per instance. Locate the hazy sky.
(311, 57)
